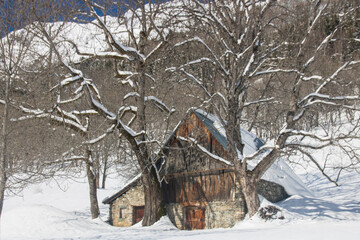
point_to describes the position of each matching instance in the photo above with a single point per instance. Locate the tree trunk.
(3, 176)
(248, 186)
(104, 171)
(97, 169)
(94, 206)
(249, 179)
(153, 200)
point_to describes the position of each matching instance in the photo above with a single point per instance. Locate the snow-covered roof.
(213, 124)
(132, 183)
(280, 172)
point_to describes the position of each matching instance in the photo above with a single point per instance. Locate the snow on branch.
(77, 96)
(258, 101)
(309, 146)
(131, 94)
(197, 61)
(68, 81)
(155, 49)
(106, 55)
(128, 81)
(218, 22)
(217, 94)
(312, 96)
(294, 132)
(270, 70)
(124, 74)
(248, 65)
(191, 76)
(110, 115)
(313, 160)
(84, 112)
(74, 158)
(332, 77)
(131, 132)
(332, 104)
(315, 77)
(2, 101)
(68, 115)
(101, 137)
(199, 40)
(125, 109)
(263, 152)
(150, 77)
(101, 108)
(150, 142)
(310, 29)
(114, 42)
(37, 113)
(159, 104)
(103, 54)
(204, 150)
(322, 44)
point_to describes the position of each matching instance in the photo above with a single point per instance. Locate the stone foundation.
(218, 214)
(221, 214)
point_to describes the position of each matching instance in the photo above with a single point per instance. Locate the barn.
(201, 192)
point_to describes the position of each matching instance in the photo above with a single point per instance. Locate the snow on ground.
(46, 212)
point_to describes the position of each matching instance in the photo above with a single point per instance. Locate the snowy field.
(45, 211)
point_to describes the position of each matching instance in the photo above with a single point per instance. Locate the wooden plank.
(138, 213)
(187, 188)
(222, 184)
(194, 218)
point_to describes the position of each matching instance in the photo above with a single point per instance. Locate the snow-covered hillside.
(45, 211)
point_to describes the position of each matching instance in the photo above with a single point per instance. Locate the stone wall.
(124, 206)
(218, 214)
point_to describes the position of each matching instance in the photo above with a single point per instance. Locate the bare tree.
(78, 97)
(142, 23)
(24, 61)
(14, 49)
(246, 48)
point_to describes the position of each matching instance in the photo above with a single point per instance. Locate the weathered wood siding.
(206, 186)
(191, 175)
(194, 128)
(183, 156)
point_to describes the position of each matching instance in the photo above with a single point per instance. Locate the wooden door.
(138, 214)
(195, 218)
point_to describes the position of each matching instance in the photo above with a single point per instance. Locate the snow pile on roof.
(279, 172)
(252, 143)
(110, 198)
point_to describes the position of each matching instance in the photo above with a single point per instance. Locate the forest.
(98, 85)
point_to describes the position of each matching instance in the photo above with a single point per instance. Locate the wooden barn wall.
(193, 127)
(183, 156)
(214, 185)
